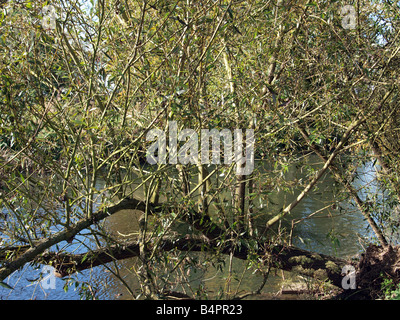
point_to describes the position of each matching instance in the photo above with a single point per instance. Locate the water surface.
(339, 230)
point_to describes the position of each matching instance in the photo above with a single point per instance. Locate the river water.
(337, 230)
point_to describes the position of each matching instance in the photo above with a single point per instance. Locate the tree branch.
(320, 173)
(283, 257)
(68, 233)
(362, 206)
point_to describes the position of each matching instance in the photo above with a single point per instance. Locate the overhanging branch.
(282, 257)
(68, 233)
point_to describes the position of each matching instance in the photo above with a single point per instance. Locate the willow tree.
(86, 87)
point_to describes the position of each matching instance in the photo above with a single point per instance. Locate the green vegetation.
(391, 291)
(78, 100)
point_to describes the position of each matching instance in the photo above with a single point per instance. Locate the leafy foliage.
(77, 101)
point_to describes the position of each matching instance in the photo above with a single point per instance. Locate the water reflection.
(337, 229)
(322, 222)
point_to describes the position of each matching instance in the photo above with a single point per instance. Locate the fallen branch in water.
(283, 257)
(287, 258)
(375, 261)
(39, 247)
(277, 256)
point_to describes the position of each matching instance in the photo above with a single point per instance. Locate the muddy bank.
(376, 265)
(373, 267)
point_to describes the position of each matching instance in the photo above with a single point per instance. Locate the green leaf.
(84, 258)
(5, 285)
